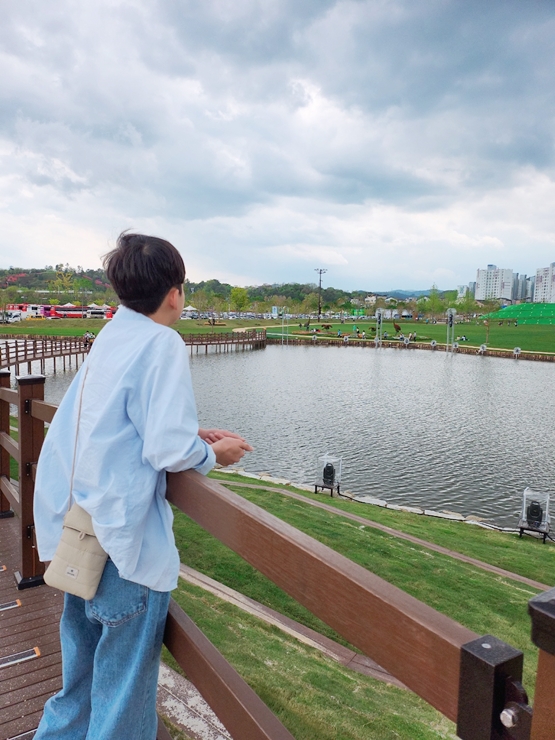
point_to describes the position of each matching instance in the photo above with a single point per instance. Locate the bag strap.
(76, 437)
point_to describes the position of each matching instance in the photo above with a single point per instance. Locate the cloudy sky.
(396, 143)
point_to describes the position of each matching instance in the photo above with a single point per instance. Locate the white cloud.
(398, 143)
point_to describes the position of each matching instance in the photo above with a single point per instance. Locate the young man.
(132, 410)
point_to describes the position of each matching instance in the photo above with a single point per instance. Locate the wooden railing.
(473, 680)
(253, 337)
(15, 352)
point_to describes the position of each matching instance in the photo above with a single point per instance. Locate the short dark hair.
(142, 269)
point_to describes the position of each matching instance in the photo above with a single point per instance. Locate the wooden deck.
(25, 685)
(22, 352)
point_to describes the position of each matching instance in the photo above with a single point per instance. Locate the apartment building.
(494, 282)
(545, 284)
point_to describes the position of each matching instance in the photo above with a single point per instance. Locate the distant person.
(137, 415)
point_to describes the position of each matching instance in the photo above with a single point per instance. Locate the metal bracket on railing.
(27, 406)
(492, 703)
(516, 717)
(30, 529)
(28, 468)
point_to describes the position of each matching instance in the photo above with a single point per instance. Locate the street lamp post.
(320, 272)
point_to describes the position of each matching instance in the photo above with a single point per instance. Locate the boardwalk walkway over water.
(224, 342)
(17, 352)
(471, 679)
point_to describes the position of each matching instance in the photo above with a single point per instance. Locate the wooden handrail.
(415, 643)
(43, 411)
(9, 395)
(11, 493)
(239, 709)
(9, 444)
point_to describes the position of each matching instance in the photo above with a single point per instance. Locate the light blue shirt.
(138, 420)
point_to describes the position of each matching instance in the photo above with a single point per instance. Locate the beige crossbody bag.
(79, 560)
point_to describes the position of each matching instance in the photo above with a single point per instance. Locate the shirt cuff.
(209, 461)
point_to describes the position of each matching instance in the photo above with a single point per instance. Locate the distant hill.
(42, 279)
(402, 295)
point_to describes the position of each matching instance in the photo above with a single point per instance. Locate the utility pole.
(320, 272)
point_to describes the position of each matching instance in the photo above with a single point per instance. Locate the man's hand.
(213, 435)
(230, 450)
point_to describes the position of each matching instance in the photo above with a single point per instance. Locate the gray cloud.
(267, 135)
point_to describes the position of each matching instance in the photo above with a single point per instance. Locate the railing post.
(5, 508)
(491, 697)
(31, 437)
(542, 611)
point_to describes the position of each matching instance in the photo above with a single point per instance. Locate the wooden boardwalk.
(18, 353)
(28, 629)
(22, 352)
(225, 342)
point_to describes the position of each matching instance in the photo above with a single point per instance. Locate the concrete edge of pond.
(372, 500)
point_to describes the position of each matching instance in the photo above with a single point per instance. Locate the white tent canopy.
(190, 308)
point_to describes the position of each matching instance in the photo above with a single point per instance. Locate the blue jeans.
(110, 658)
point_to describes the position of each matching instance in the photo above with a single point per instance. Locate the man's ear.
(173, 297)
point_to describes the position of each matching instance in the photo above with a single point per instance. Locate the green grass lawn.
(527, 557)
(481, 601)
(530, 338)
(77, 327)
(312, 695)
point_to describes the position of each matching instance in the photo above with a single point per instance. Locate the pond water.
(461, 433)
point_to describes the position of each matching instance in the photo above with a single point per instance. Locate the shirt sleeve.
(163, 409)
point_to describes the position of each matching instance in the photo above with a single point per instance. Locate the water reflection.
(445, 432)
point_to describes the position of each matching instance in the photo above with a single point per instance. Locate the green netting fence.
(526, 313)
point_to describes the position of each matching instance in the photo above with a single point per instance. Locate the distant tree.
(239, 299)
(310, 303)
(63, 282)
(436, 304)
(450, 298)
(467, 305)
(80, 288)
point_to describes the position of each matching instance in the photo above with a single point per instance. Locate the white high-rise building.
(494, 283)
(545, 284)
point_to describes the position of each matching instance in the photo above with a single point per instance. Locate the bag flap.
(77, 518)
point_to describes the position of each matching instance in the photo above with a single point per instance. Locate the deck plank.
(24, 687)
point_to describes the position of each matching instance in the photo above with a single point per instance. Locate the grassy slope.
(481, 601)
(311, 694)
(528, 556)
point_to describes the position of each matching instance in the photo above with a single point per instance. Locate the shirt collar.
(127, 314)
